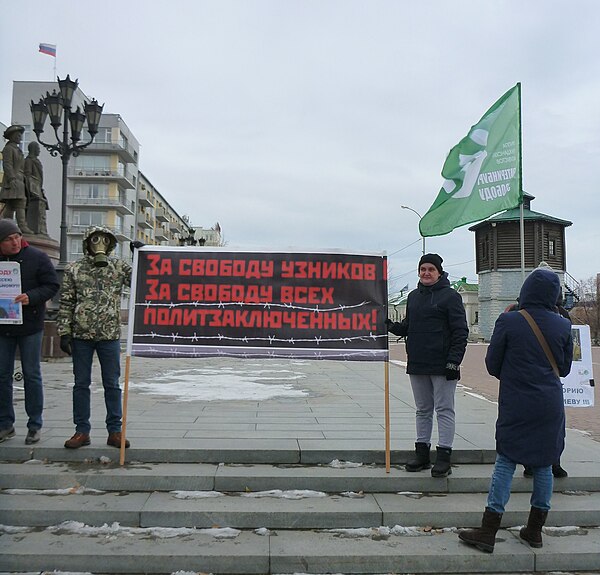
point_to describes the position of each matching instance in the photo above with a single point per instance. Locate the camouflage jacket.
(90, 298)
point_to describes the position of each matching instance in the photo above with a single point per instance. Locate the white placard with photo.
(578, 386)
(10, 288)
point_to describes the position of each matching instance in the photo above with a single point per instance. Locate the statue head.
(14, 133)
(34, 149)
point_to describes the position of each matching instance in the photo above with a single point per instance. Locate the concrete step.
(109, 476)
(218, 450)
(313, 510)
(112, 549)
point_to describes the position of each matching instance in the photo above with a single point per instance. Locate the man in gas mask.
(89, 320)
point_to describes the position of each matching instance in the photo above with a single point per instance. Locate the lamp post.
(58, 107)
(420, 217)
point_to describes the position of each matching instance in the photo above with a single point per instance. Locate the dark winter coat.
(40, 282)
(435, 327)
(531, 417)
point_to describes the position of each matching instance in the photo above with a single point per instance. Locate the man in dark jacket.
(39, 283)
(436, 334)
(530, 429)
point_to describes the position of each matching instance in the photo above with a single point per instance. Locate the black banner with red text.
(195, 302)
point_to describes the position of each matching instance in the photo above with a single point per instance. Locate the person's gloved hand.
(452, 372)
(135, 245)
(65, 344)
(388, 323)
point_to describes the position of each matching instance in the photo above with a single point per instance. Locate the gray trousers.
(434, 392)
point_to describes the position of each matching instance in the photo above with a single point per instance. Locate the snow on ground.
(195, 494)
(208, 384)
(289, 494)
(337, 464)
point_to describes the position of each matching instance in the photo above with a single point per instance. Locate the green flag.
(482, 173)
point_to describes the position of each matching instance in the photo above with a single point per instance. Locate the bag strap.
(540, 336)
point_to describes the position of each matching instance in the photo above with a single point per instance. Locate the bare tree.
(587, 309)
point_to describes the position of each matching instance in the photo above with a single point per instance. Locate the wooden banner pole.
(125, 397)
(387, 416)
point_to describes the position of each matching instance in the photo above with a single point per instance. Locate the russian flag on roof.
(49, 49)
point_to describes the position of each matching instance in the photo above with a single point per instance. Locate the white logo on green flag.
(482, 173)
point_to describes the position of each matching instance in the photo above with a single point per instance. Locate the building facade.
(104, 184)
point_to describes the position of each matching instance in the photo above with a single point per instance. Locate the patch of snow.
(289, 494)
(115, 529)
(352, 494)
(205, 384)
(33, 462)
(343, 464)
(262, 531)
(75, 490)
(195, 494)
(14, 529)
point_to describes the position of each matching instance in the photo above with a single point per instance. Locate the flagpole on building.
(521, 211)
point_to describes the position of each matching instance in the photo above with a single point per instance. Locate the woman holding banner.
(436, 331)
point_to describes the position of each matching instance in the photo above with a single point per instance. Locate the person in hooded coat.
(530, 429)
(436, 334)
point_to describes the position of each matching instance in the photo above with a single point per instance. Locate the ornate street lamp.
(420, 217)
(58, 107)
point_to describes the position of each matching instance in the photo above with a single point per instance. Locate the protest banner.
(578, 386)
(195, 302)
(201, 302)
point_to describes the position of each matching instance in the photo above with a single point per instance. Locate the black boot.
(532, 532)
(558, 471)
(442, 467)
(421, 460)
(483, 538)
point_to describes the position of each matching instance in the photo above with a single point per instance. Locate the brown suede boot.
(483, 538)
(532, 532)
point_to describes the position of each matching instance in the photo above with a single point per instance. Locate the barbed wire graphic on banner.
(317, 340)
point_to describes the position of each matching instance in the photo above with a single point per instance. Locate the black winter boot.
(421, 460)
(442, 467)
(558, 471)
(483, 538)
(532, 532)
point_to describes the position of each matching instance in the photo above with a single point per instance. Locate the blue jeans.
(502, 476)
(30, 349)
(108, 353)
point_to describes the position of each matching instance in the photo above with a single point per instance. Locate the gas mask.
(98, 245)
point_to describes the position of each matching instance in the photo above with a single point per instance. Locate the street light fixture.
(420, 217)
(58, 107)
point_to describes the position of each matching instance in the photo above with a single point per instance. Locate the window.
(84, 218)
(91, 163)
(85, 191)
(104, 136)
(551, 247)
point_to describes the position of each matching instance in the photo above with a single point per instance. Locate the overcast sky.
(307, 124)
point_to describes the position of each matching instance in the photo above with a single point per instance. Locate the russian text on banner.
(482, 173)
(195, 302)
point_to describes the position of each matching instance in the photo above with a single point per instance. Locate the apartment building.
(157, 223)
(104, 184)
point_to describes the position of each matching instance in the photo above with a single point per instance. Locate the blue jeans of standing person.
(30, 350)
(502, 476)
(434, 392)
(109, 356)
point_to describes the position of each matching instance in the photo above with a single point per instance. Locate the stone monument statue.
(13, 193)
(34, 180)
